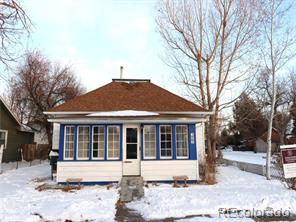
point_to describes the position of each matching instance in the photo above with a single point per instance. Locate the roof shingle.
(116, 96)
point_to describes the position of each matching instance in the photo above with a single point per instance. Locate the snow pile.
(245, 157)
(125, 113)
(19, 201)
(236, 189)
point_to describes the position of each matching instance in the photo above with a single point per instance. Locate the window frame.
(5, 138)
(149, 157)
(187, 142)
(107, 150)
(64, 153)
(92, 143)
(166, 157)
(77, 143)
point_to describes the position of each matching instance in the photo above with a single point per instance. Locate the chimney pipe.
(121, 71)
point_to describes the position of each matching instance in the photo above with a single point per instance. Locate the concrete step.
(131, 187)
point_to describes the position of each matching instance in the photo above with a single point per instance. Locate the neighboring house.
(12, 134)
(40, 136)
(261, 144)
(128, 127)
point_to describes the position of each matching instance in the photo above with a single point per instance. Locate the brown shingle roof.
(115, 96)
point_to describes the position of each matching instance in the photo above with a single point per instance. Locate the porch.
(103, 153)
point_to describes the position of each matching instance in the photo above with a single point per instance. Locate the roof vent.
(130, 81)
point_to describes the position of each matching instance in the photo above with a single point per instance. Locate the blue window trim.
(76, 139)
(143, 144)
(191, 147)
(188, 142)
(105, 138)
(192, 154)
(120, 143)
(61, 142)
(172, 142)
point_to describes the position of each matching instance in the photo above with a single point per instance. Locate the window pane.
(182, 141)
(69, 142)
(149, 141)
(98, 142)
(113, 142)
(83, 142)
(165, 141)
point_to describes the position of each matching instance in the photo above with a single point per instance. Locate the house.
(12, 134)
(261, 144)
(128, 127)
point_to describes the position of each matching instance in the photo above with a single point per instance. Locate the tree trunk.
(48, 129)
(268, 153)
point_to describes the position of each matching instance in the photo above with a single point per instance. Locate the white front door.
(131, 150)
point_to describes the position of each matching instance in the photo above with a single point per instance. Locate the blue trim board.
(142, 141)
(75, 143)
(174, 141)
(157, 142)
(61, 143)
(90, 183)
(90, 153)
(191, 146)
(109, 182)
(105, 142)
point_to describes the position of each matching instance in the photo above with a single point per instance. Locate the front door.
(131, 150)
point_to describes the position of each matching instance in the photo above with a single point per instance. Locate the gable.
(7, 115)
(120, 95)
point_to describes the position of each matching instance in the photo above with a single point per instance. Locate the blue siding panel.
(174, 149)
(121, 139)
(75, 143)
(192, 142)
(157, 142)
(105, 144)
(90, 142)
(61, 142)
(142, 142)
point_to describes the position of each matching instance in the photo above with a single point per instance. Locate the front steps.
(132, 187)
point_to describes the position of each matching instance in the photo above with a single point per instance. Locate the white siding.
(158, 170)
(89, 171)
(55, 136)
(200, 142)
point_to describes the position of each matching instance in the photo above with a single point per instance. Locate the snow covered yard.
(235, 189)
(19, 201)
(245, 157)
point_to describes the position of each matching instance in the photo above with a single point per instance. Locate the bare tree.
(208, 45)
(276, 50)
(14, 23)
(38, 86)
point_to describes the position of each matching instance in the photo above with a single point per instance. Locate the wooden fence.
(32, 152)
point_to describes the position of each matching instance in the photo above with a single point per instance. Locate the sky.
(96, 37)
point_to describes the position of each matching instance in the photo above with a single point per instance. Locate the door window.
(131, 143)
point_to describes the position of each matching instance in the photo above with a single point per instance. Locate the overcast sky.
(97, 37)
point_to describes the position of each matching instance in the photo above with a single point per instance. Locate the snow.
(125, 113)
(19, 201)
(245, 157)
(53, 153)
(235, 189)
